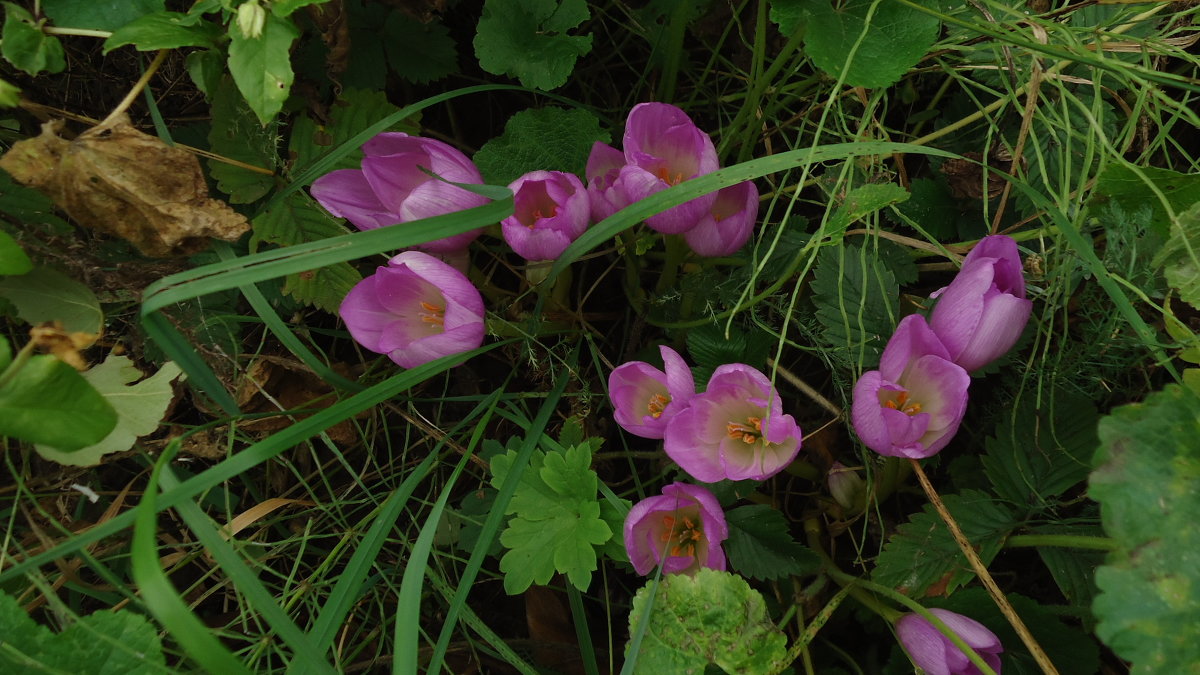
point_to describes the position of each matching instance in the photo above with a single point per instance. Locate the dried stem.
(137, 87)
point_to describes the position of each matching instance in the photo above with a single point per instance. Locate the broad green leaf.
(165, 30)
(98, 14)
(922, 559)
(932, 207)
(262, 66)
(354, 111)
(1074, 570)
(28, 206)
(419, 52)
(710, 347)
(47, 401)
(873, 53)
(235, 134)
(710, 617)
(789, 15)
(760, 547)
(861, 202)
(528, 40)
(5, 353)
(24, 45)
(296, 220)
(12, 257)
(1147, 470)
(1180, 257)
(47, 295)
(140, 407)
(857, 301)
(549, 139)
(1124, 185)
(286, 7)
(103, 643)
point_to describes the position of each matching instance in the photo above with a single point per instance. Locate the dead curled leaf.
(120, 181)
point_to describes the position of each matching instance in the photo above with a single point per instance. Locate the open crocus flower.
(728, 225)
(645, 398)
(393, 186)
(415, 310)
(936, 654)
(682, 530)
(980, 315)
(603, 168)
(912, 405)
(663, 148)
(736, 429)
(551, 210)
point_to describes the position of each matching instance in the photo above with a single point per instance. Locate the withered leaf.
(120, 181)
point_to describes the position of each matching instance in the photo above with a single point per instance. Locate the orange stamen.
(433, 314)
(747, 433)
(657, 404)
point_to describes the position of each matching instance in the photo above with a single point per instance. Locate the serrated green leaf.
(296, 220)
(12, 257)
(857, 303)
(896, 37)
(1124, 185)
(355, 110)
(419, 52)
(47, 401)
(921, 558)
(710, 617)
(789, 15)
(549, 139)
(205, 67)
(47, 295)
(1035, 455)
(24, 45)
(323, 288)
(528, 40)
(710, 348)
(861, 202)
(140, 408)
(98, 14)
(165, 30)
(569, 473)
(1074, 570)
(899, 261)
(1147, 469)
(235, 134)
(932, 207)
(262, 66)
(1180, 257)
(759, 546)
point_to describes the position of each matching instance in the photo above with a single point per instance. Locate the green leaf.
(46, 295)
(418, 52)
(5, 353)
(861, 202)
(98, 14)
(165, 30)
(103, 643)
(1180, 257)
(895, 39)
(1147, 469)
(10, 94)
(760, 547)
(12, 257)
(549, 139)
(922, 559)
(1074, 570)
(1124, 185)
(286, 7)
(710, 347)
(47, 401)
(556, 524)
(24, 45)
(857, 301)
(205, 67)
(789, 15)
(528, 39)
(28, 206)
(1036, 455)
(140, 407)
(710, 617)
(296, 220)
(236, 135)
(354, 111)
(932, 207)
(262, 66)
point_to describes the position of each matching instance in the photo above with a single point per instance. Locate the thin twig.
(137, 87)
(807, 390)
(1039, 655)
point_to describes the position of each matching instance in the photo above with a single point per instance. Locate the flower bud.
(251, 17)
(936, 654)
(848, 490)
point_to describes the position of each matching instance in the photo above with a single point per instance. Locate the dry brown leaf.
(120, 181)
(53, 338)
(272, 384)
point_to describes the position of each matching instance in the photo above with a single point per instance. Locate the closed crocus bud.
(395, 186)
(936, 654)
(728, 225)
(848, 490)
(980, 315)
(415, 310)
(663, 148)
(603, 168)
(645, 398)
(911, 406)
(551, 210)
(682, 530)
(736, 429)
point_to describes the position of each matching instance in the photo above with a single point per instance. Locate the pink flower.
(682, 530)
(393, 186)
(728, 225)
(936, 654)
(415, 310)
(664, 148)
(736, 429)
(912, 405)
(603, 168)
(551, 210)
(645, 398)
(980, 315)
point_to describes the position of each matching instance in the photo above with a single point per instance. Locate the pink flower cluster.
(912, 406)
(735, 430)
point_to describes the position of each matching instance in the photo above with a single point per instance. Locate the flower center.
(748, 433)
(657, 404)
(664, 174)
(680, 539)
(538, 215)
(901, 403)
(433, 314)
